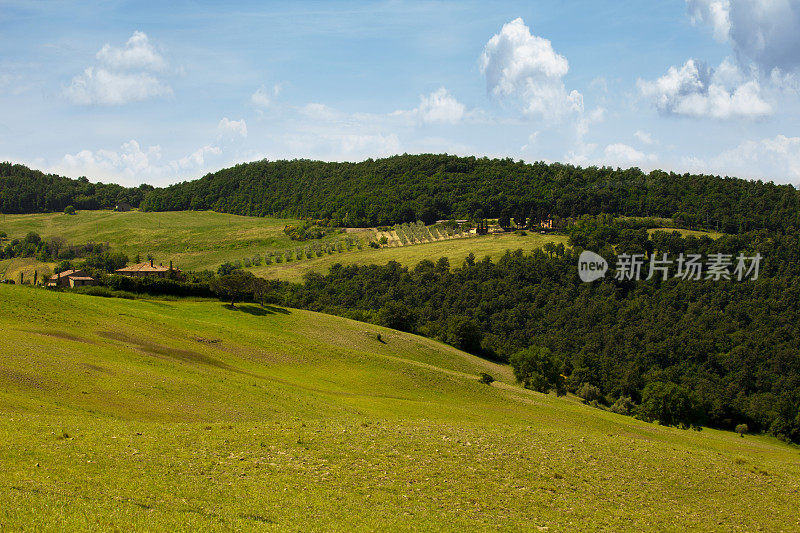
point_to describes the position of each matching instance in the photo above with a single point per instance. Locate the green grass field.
(185, 415)
(197, 240)
(688, 232)
(455, 250)
(194, 240)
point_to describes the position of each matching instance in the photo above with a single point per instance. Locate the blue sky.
(160, 92)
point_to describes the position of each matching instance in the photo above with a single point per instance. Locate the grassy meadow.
(197, 240)
(184, 415)
(455, 250)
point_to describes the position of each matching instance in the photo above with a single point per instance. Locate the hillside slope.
(182, 415)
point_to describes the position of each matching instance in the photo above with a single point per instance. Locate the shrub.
(741, 429)
(623, 406)
(590, 393)
(69, 210)
(485, 378)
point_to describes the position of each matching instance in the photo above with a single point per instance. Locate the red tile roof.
(65, 273)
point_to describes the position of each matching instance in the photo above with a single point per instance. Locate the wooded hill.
(428, 187)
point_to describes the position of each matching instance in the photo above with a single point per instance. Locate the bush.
(623, 406)
(69, 210)
(741, 429)
(485, 378)
(590, 393)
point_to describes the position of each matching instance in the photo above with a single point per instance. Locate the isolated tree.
(69, 210)
(234, 286)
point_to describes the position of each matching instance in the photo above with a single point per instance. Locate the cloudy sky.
(160, 92)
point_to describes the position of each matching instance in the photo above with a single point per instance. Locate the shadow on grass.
(256, 310)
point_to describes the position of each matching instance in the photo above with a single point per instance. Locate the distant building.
(123, 206)
(147, 268)
(71, 278)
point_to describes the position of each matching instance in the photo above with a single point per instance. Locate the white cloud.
(696, 90)
(137, 54)
(715, 13)
(124, 75)
(264, 97)
(98, 86)
(196, 160)
(133, 164)
(347, 146)
(774, 159)
(526, 68)
(317, 111)
(623, 155)
(440, 106)
(762, 32)
(232, 128)
(644, 137)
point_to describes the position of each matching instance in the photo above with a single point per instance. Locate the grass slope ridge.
(165, 415)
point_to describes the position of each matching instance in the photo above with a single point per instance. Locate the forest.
(23, 190)
(428, 187)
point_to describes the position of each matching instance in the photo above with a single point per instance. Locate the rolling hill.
(197, 240)
(190, 415)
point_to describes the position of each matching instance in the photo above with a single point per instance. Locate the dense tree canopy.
(23, 190)
(427, 187)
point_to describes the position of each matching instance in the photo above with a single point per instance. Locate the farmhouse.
(147, 269)
(123, 207)
(71, 278)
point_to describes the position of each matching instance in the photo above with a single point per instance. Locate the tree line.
(428, 187)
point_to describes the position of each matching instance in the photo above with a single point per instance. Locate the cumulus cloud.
(774, 159)
(98, 86)
(134, 164)
(524, 67)
(440, 106)
(137, 54)
(715, 13)
(123, 75)
(623, 155)
(232, 128)
(696, 90)
(762, 32)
